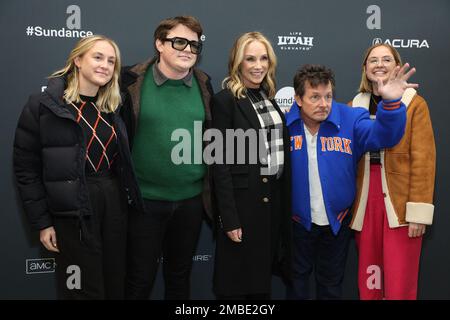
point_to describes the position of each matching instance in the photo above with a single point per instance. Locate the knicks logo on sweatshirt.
(327, 144)
(298, 142)
(336, 144)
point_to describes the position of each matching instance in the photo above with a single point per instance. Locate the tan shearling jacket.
(407, 170)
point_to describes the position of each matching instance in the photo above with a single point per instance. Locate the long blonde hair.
(108, 98)
(365, 84)
(234, 81)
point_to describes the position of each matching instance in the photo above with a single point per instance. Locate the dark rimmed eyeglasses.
(181, 43)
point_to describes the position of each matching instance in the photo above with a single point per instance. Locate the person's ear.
(298, 100)
(77, 61)
(159, 45)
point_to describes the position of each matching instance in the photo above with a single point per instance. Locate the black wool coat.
(239, 192)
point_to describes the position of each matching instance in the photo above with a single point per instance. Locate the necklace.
(376, 101)
(374, 104)
(254, 97)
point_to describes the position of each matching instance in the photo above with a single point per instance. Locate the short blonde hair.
(365, 84)
(108, 98)
(234, 81)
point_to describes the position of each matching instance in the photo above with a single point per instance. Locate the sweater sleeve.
(383, 132)
(27, 164)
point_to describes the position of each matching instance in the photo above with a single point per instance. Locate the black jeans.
(92, 259)
(321, 250)
(168, 227)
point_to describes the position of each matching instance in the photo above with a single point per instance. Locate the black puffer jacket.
(49, 159)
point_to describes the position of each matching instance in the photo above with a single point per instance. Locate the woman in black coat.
(74, 174)
(251, 186)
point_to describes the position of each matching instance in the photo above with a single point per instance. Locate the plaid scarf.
(272, 129)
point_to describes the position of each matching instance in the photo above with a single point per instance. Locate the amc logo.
(40, 265)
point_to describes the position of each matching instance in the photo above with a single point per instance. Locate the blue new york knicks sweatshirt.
(342, 139)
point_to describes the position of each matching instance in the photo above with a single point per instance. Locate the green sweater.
(165, 108)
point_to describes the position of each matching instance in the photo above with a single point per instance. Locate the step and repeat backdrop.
(36, 37)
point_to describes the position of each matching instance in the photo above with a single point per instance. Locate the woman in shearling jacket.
(74, 173)
(394, 200)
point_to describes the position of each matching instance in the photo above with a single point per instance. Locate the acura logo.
(403, 43)
(377, 41)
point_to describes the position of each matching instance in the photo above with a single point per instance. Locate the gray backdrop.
(335, 33)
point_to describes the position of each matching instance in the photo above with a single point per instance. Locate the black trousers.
(170, 228)
(92, 259)
(325, 253)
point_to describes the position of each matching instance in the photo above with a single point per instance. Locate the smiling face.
(379, 64)
(96, 67)
(254, 65)
(176, 64)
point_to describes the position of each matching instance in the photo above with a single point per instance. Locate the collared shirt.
(160, 78)
(318, 211)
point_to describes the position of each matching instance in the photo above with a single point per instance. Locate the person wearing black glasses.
(163, 95)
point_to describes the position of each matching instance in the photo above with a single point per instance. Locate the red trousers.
(388, 263)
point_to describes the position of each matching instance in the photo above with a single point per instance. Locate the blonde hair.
(108, 98)
(234, 81)
(365, 84)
